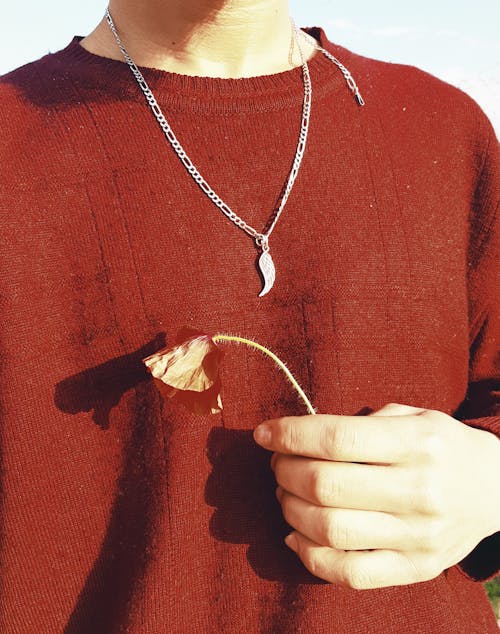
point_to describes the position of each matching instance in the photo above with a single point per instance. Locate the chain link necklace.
(265, 262)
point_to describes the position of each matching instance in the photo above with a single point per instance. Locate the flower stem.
(276, 359)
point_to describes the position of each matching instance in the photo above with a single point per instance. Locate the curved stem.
(276, 359)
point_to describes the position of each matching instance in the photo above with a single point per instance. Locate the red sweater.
(124, 513)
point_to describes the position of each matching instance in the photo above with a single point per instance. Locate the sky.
(456, 40)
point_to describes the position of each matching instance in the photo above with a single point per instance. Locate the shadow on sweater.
(104, 601)
(241, 488)
(99, 389)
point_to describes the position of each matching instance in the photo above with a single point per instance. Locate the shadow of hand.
(241, 488)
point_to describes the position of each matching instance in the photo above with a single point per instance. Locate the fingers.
(364, 493)
(348, 486)
(361, 570)
(374, 439)
(345, 529)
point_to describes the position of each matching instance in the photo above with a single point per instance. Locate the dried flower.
(188, 372)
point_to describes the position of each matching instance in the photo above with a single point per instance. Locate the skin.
(388, 502)
(212, 38)
(373, 504)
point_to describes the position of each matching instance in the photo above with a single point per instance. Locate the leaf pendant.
(268, 272)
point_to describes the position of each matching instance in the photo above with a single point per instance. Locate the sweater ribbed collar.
(204, 94)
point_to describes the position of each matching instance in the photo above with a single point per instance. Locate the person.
(259, 180)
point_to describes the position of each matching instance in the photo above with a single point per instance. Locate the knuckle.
(338, 439)
(312, 562)
(431, 444)
(278, 471)
(289, 514)
(426, 570)
(394, 406)
(432, 540)
(414, 573)
(335, 494)
(428, 498)
(285, 508)
(431, 571)
(394, 409)
(435, 414)
(420, 568)
(290, 436)
(324, 490)
(318, 486)
(355, 577)
(338, 534)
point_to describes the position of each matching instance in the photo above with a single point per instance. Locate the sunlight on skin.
(385, 504)
(212, 38)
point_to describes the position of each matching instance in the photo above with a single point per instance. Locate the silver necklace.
(266, 264)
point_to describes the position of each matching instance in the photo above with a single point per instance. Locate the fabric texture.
(124, 513)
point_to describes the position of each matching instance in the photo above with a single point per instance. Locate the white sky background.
(457, 40)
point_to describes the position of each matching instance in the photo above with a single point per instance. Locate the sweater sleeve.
(481, 407)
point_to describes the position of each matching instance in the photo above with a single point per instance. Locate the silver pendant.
(268, 272)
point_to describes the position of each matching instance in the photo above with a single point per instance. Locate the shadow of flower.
(100, 388)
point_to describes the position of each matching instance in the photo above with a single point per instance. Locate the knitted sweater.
(122, 512)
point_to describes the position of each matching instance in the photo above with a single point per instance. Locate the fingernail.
(262, 435)
(291, 542)
(279, 493)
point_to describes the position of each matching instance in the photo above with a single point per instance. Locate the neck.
(213, 38)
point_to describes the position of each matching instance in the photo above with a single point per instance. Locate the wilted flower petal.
(188, 372)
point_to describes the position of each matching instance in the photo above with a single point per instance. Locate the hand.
(384, 502)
